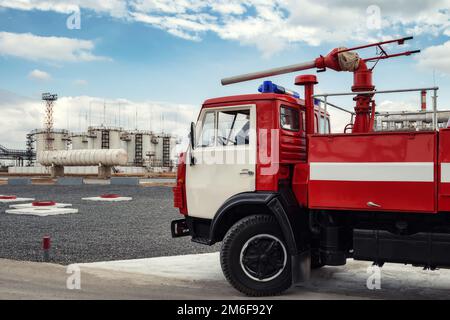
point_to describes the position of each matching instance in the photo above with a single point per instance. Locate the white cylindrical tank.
(159, 149)
(114, 139)
(96, 139)
(131, 144)
(80, 142)
(148, 148)
(59, 140)
(106, 157)
(105, 137)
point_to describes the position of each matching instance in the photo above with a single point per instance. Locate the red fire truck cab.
(265, 176)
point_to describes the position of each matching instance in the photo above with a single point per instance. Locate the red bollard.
(46, 244)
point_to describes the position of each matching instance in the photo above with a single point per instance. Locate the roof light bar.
(270, 87)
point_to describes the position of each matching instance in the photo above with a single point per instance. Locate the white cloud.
(19, 115)
(268, 25)
(39, 75)
(116, 8)
(271, 26)
(397, 106)
(436, 58)
(55, 49)
(76, 113)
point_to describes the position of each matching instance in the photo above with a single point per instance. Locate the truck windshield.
(207, 133)
(233, 127)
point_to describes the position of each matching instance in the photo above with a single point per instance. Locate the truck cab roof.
(246, 98)
(252, 97)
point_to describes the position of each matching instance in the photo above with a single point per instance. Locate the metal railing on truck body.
(324, 101)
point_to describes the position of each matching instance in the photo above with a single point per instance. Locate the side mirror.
(192, 136)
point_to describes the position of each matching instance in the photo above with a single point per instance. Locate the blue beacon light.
(270, 87)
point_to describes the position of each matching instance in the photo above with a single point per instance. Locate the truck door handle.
(246, 171)
(373, 204)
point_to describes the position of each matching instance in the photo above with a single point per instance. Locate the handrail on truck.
(326, 103)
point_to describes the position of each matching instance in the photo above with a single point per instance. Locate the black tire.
(256, 234)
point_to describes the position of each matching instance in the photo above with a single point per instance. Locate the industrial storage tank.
(110, 157)
(106, 137)
(163, 152)
(140, 147)
(114, 139)
(60, 139)
(82, 141)
(143, 147)
(149, 148)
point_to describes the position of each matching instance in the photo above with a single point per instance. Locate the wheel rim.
(263, 257)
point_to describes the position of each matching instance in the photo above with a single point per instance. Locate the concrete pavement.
(200, 277)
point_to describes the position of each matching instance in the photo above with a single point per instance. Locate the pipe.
(372, 117)
(308, 81)
(435, 122)
(362, 81)
(325, 111)
(428, 118)
(423, 98)
(269, 72)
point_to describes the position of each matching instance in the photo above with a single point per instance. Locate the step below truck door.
(374, 171)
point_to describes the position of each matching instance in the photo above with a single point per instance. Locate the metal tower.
(50, 100)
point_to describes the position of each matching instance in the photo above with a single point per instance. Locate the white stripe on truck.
(373, 171)
(445, 172)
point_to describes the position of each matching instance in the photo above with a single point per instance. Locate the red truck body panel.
(375, 171)
(443, 169)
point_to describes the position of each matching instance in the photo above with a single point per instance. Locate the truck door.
(225, 158)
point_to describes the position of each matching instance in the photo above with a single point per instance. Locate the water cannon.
(336, 60)
(340, 59)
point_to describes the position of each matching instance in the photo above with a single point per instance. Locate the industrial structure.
(421, 120)
(50, 100)
(49, 150)
(407, 120)
(19, 156)
(146, 151)
(144, 148)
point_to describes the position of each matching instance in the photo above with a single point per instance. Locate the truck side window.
(325, 130)
(207, 135)
(233, 127)
(289, 118)
(316, 123)
(302, 121)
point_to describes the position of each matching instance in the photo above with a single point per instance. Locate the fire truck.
(264, 175)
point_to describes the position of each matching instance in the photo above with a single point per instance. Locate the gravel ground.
(101, 231)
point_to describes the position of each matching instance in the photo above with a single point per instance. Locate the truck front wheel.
(254, 257)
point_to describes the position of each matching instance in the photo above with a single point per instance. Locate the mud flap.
(301, 267)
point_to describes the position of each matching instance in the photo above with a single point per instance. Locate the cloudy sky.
(150, 63)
